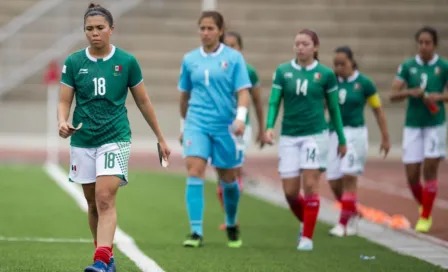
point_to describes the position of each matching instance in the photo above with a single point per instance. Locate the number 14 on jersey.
(301, 86)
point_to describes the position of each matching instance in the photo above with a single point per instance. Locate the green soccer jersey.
(254, 80)
(431, 76)
(101, 87)
(353, 94)
(304, 91)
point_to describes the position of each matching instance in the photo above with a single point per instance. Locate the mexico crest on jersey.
(317, 76)
(224, 64)
(437, 70)
(357, 87)
(117, 70)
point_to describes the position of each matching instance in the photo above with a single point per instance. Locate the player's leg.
(83, 171)
(434, 152)
(289, 170)
(352, 165)
(313, 161)
(334, 174)
(197, 150)
(111, 171)
(227, 155)
(92, 212)
(239, 170)
(413, 155)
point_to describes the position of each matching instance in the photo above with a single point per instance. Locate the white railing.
(29, 16)
(63, 30)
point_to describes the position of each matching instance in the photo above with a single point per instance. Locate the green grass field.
(151, 209)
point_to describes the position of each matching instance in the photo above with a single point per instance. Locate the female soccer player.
(99, 76)
(355, 89)
(234, 40)
(304, 85)
(213, 78)
(422, 80)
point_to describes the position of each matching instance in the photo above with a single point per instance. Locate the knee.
(430, 170)
(196, 170)
(104, 201)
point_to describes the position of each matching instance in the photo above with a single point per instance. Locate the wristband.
(241, 114)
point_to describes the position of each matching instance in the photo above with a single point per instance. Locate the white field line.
(124, 242)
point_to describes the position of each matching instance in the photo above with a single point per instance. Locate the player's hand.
(238, 127)
(165, 150)
(342, 150)
(418, 92)
(181, 136)
(385, 147)
(260, 139)
(431, 97)
(66, 129)
(269, 136)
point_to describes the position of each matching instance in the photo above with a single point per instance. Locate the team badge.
(73, 168)
(357, 87)
(224, 64)
(117, 70)
(437, 70)
(317, 76)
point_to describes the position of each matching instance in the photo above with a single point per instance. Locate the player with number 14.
(304, 85)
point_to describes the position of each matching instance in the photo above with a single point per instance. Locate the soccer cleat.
(194, 240)
(423, 224)
(233, 234)
(340, 230)
(98, 266)
(305, 244)
(111, 267)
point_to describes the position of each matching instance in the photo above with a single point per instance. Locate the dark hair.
(217, 18)
(95, 10)
(237, 36)
(431, 31)
(349, 53)
(313, 37)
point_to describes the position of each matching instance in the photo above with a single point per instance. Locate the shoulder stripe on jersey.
(277, 86)
(332, 89)
(137, 83)
(399, 78)
(182, 90)
(247, 86)
(67, 85)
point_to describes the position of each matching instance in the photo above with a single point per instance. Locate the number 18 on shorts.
(86, 164)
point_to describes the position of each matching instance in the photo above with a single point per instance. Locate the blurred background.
(34, 33)
(159, 32)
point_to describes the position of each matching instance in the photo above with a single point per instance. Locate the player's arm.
(255, 94)
(374, 101)
(275, 99)
(141, 98)
(399, 91)
(241, 84)
(146, 108)
(332, 98)
(184, 86)
(66, 95)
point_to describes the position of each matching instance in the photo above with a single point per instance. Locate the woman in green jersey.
(355, 90)
(304, 85)
(99, 77)
(422, 81)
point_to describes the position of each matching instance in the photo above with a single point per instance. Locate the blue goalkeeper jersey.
(213, 80)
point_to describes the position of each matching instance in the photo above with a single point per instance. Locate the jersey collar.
(111, 54)
(431, 62)
(308, 68)
(213, 54)
(350, 78)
